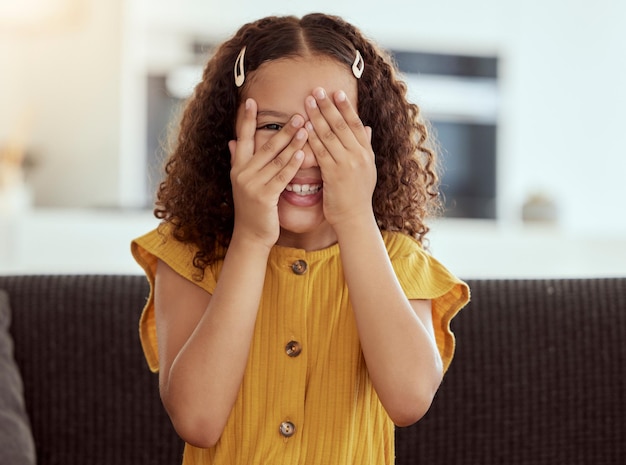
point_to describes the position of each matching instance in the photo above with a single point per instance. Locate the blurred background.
(527, 100)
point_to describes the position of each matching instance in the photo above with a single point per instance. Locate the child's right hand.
(260, 174)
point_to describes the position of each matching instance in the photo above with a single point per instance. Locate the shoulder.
(423, 277)
(401, 245)
(419, 273)
(160, 244)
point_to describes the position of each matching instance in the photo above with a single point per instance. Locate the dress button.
(287, 429)
(293, 348)
(299, 267)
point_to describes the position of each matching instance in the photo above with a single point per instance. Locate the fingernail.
(311, 102)
(297, 121)
(301, 134)
(341, 96)
(320, 93)
(308, 126)
(299, 154)
(248, 103)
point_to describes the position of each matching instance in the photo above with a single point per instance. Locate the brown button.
(299, 267)
(293, 348)
(287, 429)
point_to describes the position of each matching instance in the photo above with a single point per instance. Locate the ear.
(232, 146)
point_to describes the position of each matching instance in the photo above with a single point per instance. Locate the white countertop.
(61, 241)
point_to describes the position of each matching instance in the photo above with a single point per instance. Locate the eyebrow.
(272, 113)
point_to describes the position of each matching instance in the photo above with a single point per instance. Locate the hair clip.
(240, 75)
(358, 66)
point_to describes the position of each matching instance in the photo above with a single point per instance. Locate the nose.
(309, 158)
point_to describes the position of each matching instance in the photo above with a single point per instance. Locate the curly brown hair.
(196, 194)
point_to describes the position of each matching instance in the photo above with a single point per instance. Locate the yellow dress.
(306, 397)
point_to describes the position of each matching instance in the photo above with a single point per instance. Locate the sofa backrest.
(89, 394)
(538, 377)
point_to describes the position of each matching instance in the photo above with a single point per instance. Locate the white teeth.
(304, 189)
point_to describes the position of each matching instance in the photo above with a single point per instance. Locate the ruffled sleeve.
(423, 277)
(156, 245)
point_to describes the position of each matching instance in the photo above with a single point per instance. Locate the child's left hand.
(342, 147)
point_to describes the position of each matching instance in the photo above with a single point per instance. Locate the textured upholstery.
(539, 378)
(539, 375)
(90, 396)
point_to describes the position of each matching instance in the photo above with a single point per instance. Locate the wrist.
(355, 222)
(249, 243)
(355, 225)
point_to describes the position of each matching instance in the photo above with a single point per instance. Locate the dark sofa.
(539, 375)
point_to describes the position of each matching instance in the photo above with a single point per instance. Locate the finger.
(278, 142)
(287, 172)
(352, 118)
(322, 154)
(323, 141)
(242, 149)
(369, 133)
(276, 165)
(338, 126)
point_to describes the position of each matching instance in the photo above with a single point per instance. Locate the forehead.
(295, 78)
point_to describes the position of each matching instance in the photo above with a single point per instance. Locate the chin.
(302, 220)
(302, 225)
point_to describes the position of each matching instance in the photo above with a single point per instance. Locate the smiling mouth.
(304, 189)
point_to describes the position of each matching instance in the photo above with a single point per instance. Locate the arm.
(204, 340)
(396, 334)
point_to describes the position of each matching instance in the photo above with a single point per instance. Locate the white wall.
(563, 69)
(66, 77)
(562, 74)
(566, 72)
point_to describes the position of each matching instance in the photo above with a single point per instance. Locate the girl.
(294, 316)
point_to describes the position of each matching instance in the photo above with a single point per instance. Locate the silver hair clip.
(240, 75)
(358, 66)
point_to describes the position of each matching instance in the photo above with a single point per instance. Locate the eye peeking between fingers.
(270, 127)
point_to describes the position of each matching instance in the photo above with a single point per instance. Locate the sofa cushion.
(16, 441)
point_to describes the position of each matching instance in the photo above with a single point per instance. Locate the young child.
(294, 316)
